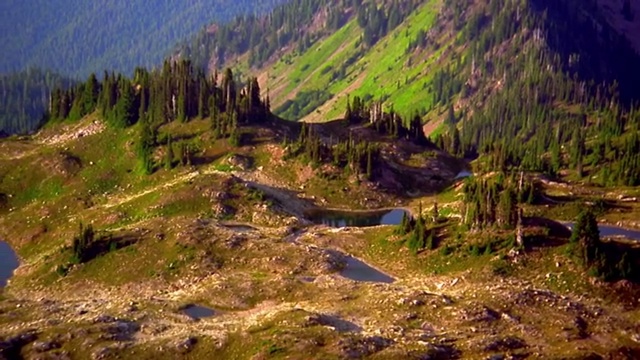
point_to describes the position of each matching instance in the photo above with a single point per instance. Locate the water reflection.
(609, 230)
(335, 218)
(198, 312)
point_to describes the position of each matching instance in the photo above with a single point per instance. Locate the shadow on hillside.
(552, 233)
(199, 160)
(107, 243)
(605, 56)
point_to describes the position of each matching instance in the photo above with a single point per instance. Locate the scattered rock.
(44, 346)
(11, 348)
(436, 352)
(105, 319)
(222, 211)
(235, 241)
(120, 331)
(240, 161)
(483, 314)
(504, 344)
(578, 330)
(357, 348)
(330, 321)
(411, 316)
(221, 195)
(101, 353)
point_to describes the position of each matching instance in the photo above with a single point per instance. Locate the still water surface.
(8, 263)
(337, 218)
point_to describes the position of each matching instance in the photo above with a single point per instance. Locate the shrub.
(446, 250)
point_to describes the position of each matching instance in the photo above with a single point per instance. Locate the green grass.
(315, 58)
(379, 67)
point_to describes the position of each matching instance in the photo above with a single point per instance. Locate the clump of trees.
(419, 236)
(607, 260)
(385, 122)
(176, 92)
(496, 201)
(359, 157)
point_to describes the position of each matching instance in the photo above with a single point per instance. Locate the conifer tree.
(586, 236)
(169, 156)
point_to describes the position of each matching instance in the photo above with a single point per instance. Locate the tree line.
(176, 92)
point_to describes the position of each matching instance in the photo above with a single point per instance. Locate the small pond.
(610, 230)
(360, 271)
(338, 218)
(8, 263)
(198, 312)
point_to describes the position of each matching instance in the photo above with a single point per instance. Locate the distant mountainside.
(542, 85)
(77, 37)
(25, 98)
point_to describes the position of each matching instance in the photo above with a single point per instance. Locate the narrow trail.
(179, 180)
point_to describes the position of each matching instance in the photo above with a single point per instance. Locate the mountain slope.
(147, 195)
(25, 99)
(531, 84)
(79, 37)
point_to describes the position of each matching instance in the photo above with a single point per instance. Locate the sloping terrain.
(228, 232)
(624, 16)
(463, 65)
(173, 189)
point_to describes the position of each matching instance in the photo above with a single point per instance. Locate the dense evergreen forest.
(24, 99)
(77, 37)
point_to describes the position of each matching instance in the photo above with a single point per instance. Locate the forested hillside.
(79, 37)
(24, 99)
(533, 84)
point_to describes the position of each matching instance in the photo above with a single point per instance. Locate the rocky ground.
(298, 300)
(232, 237)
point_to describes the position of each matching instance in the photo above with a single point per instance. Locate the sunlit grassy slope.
(386, 71)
